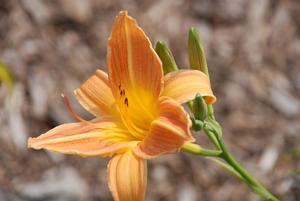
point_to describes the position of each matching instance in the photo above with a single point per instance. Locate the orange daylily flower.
(137, 109)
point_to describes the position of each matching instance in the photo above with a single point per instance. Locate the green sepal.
(166, 57)
(196, 52)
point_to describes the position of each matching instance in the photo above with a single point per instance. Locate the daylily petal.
(168, 132)
(101, 138)
(95, 95)
(131, 59)
(135, 74)
(183, 86)
(127, 177)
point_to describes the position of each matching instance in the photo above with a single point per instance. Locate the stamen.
(76, 116)
(73, 113)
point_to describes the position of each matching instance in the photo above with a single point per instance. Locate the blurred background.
(253, 52)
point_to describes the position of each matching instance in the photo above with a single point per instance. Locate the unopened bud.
(200, 108)
(196, 52)
(166, 57)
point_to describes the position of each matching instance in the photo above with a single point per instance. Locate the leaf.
(6, 77)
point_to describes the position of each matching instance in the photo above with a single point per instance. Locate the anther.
(126, 102)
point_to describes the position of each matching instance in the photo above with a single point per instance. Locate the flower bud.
(196, 52)
(198, 60)
(200, 108)
(166, 57)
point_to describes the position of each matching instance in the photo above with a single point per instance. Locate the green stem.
(211, 135)
(214, 139)
(226, 166)
(198, 150)
(257, 187)
(214, 132)
(223, 153)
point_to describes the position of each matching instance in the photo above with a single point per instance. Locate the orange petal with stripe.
(135, 74)
(183, 85)
(127, 177)
(168, 132)
(102, 138)
(95, 95)
(131, 59)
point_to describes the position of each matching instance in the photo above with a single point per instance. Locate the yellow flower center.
(138, 110)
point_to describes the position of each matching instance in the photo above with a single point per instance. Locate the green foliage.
(5, 76)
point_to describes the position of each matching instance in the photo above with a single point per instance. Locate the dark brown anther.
(126, 102)
(122, 92)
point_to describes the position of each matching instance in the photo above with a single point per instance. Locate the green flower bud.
(199, 108)
(197, 59)
(196, 52)
(166, 57)
(197, 125)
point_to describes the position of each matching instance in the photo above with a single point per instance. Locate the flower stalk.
(223, 153)
(198, 150)
(255, 185)
(212, 128)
